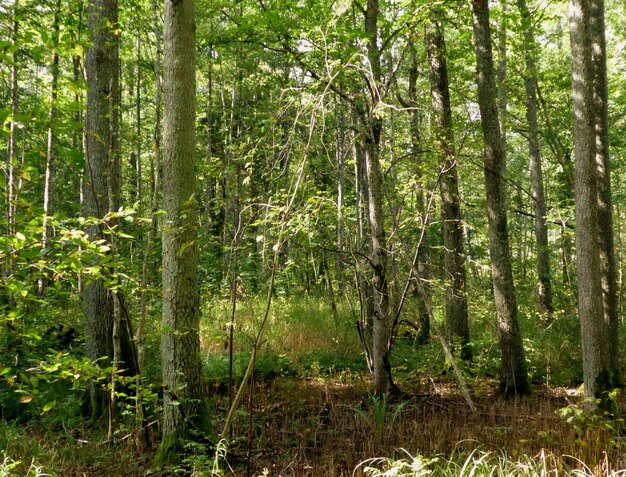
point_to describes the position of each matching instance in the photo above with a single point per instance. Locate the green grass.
(301, 338)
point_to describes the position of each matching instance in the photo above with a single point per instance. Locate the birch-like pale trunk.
(381, 320)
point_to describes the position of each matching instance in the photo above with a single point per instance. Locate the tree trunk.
(378, 252)
(11, 172)
(185, 411)
(51, 146)
(544, 285)
(138, 165)
(454, 252)
(514, 378)
(501, 76)
(101, 63)
(421, 267)
(605, 202)
(154, 207)
(341, 180)
(595, 329)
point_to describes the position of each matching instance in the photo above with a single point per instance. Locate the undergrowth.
(311, 412)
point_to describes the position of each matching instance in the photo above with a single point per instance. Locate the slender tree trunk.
(501, 76)
(154, 207)
(421, 268)
(544, 285)
(11, 187)
(564, 158)
(78, 134)
(341, 179)
(138, 165)
(51, 146)
(378, 251)
(514, 378)
(454, 252)
(185, 411)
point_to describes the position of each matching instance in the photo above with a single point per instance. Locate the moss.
(170, 452)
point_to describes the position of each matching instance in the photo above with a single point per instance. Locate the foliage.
(280, 102)
(12, 468)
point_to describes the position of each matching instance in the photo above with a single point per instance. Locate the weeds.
(481, 463)
(15, 468)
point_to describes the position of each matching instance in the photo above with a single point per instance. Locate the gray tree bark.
(11, 168)
(605, 201)
(101, 63)
(185, 411)
(421, 271)
(514, 378)
(378, 252)
(592, 281)
(102, 192)
(454, 252)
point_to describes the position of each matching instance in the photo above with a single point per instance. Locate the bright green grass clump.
(302, 337)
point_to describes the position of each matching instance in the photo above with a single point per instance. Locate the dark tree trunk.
(514, 378)
(605, 201)
(102, 191)
(454, 253)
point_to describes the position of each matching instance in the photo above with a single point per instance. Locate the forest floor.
(324, 427)
(329, 426)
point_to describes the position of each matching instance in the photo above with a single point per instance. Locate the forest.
(312, 238)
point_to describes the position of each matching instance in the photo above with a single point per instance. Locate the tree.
(513, 377)
(605, 198)
(421, 267)
(11, 167)
(185, 411)
(378, 252)
(51, 146)
(101, 65)
(592, 195)
(544, 285)
(454, 253)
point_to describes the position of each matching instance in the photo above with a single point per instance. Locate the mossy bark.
(185, 410)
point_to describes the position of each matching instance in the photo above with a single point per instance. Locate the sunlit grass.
(480, 463)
